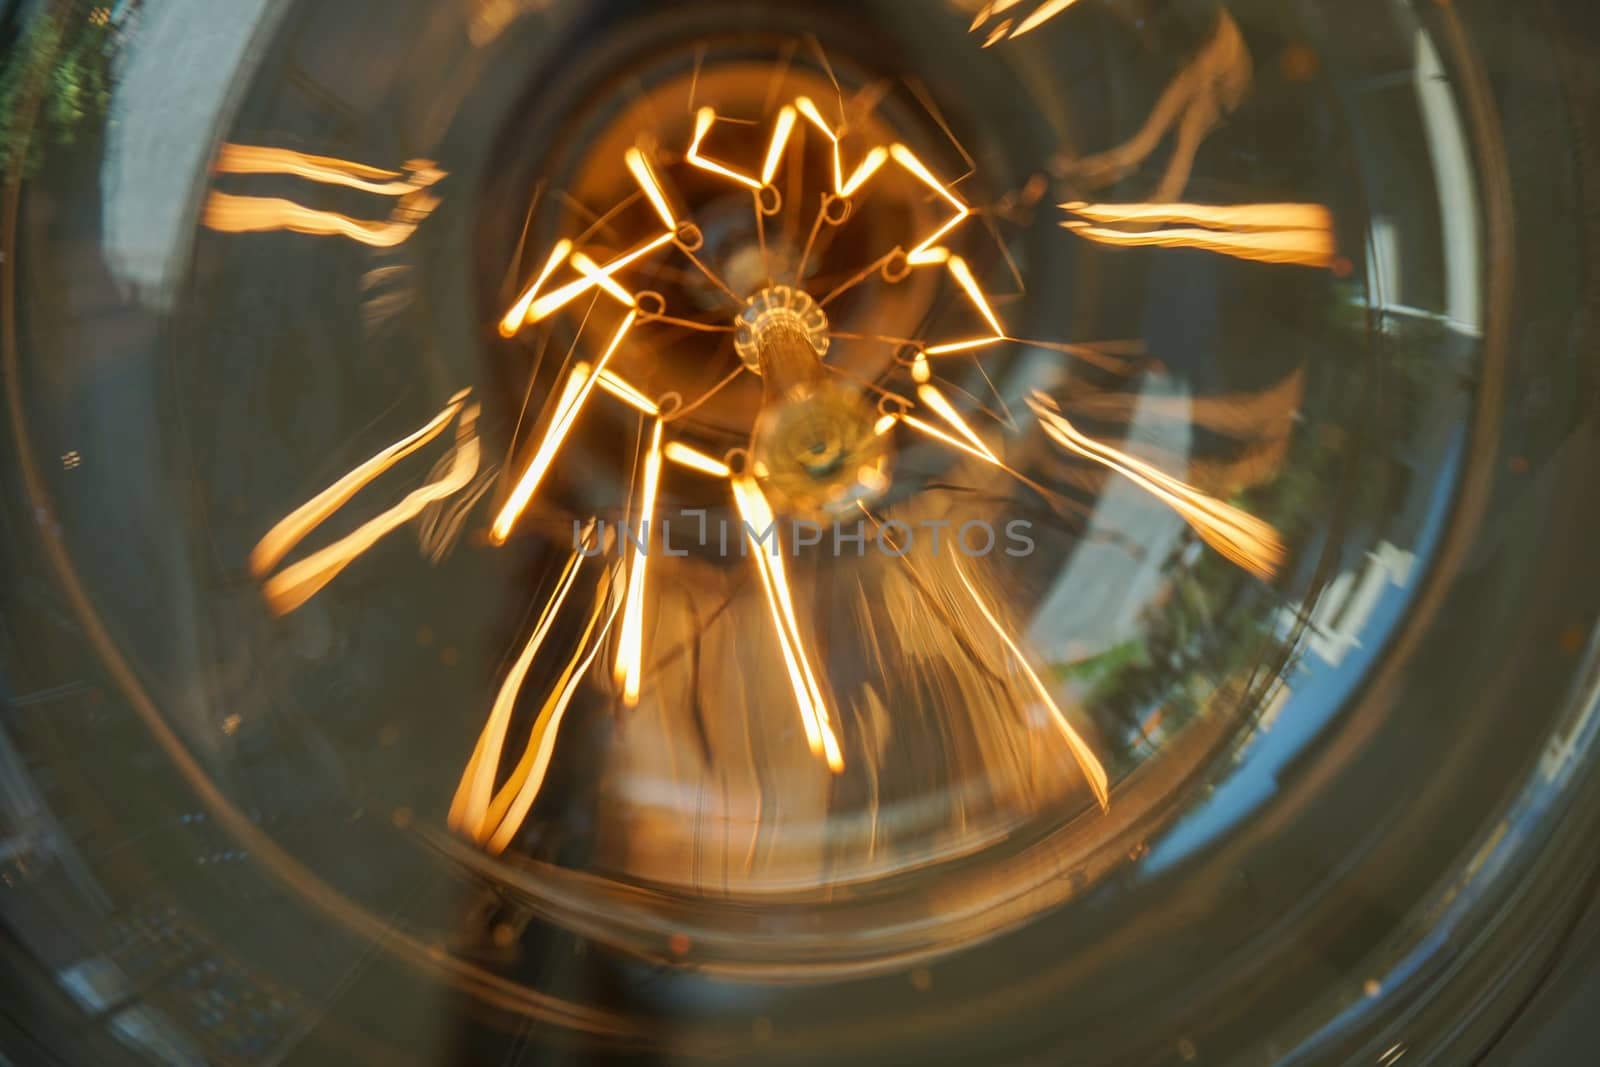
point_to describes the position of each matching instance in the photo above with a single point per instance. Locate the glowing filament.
(1238, 535)
(579, 386)
(301, 581)
(281, 539)
(703, 121)
(969, 285)
(519, 311)
(1042, 15)
(589, 269)
(516, 797)
(254, 159)
(1306, 248)
(946, 411)
(552, 302)
(1081, 752)
(869, 166)
(695, 460)
(756, 514)
(253, 214)
(926, 252)
(781, 132)
(625, 392)
(469, 809)
(652, 188)
(630, 648)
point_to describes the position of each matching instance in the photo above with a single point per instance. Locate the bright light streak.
(516, 797)
(1305, 248)
(652, 188)
(255, 159)
(630, 647)
(756, 514)
(470, 807)
(254, 214)
(937, 434)
(869, 166)
(566, 414)
(519, 311)
(925, 252)
(963, 276)
(946, 411)
(1044, 14)
(684, 456)
(589, 269)
(1214, 216)
(884, 424)
(552, 302)
(703, 121)
(299, 582)
(625, 392)
(1081, 752)
(920, 370)
(781, 132)
(281, 539)
(1237, 535)
(963, 346)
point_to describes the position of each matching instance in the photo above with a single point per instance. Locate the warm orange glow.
(1238, 535)
(299, 582)
(550, 303)
(695, 460)
(625, 392)
(519, 311)
(756, 514)
(640, 167)
(929, 429)
(884, 424)
(1042, 15)
(282, 538)
(1214, 216)
(630, 647)
(704, 119)
(926, 252)
(589, 269)
(869, 166)
(561, 425)
(1306, 248)
(1081, 752)
(945, 410)
(256, 159)
(781, 132)
(511, 805)
(255, 214)
(470, 807)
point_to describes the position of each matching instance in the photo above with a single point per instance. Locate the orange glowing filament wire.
(551, 302)
(293, 528)
(255, 159)
(695, 460)
(1081, 752)
(299, 582)
(927, 252)
(869, 165)
(704, 119)
(969, 285)
(937, 402)
(589, 269)
(227, 213)
(1297, 234)
(1237, 535)
(756, 514)
(781, 132)
(630, 647)
(469, 809)
(516, 797)
(518, 314)
(566, 415)
(640, 167)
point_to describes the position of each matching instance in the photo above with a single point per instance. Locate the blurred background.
(393, 667)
